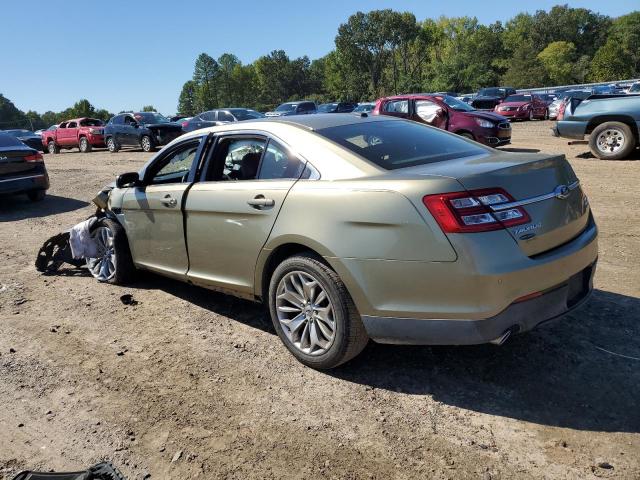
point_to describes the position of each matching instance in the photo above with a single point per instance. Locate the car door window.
(208, 116)
(175, 166)
(237, 158)
(279, 163)
(225, 117)
(72, 125)
(397, 106)
(128, 120)
(427, 110)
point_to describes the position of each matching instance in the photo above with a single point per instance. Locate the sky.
(124, 54)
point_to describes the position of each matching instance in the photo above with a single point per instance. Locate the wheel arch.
(462, 131)
(626, 119)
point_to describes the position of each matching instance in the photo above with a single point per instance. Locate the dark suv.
(488, 98)
(147, 130)
(337, 107)
(220, 117)
(293, 108)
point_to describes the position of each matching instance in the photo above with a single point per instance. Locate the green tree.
(558, 60)
(205, 76)
(227, 87)
(611, 62)
(149, 108)
(187, 100)
(10, 115)
(524, 69)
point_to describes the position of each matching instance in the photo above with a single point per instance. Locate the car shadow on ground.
(581, 372)
(635, 155)
(19, 207)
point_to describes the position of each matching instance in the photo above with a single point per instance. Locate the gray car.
(294, 108)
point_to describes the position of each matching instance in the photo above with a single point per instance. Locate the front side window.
(278, 163)
(72, 125)
(397, 106)
(175, 167)
(208, 116)
(150, 117)
(398, 144)
(427, 110)
(225, 117)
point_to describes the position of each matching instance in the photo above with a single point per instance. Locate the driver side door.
(153, 211)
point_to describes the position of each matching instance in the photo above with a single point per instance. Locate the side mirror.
(130, 179)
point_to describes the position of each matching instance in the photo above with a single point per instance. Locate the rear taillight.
(561, 109)
(184, 124)
(469, 212)
(36, 157)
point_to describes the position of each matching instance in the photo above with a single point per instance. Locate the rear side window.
(208, 116)
(278, 163)
(397, 106)
(400, 144)
(225, 117)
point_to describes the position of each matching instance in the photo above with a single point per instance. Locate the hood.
(494, 117)
(513, 104)
(171, 125)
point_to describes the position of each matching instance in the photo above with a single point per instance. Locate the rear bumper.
(517, 318)
(24, 183)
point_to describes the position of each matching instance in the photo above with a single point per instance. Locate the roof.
(318, 121)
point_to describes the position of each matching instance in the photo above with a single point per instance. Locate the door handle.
(259, 202)
(169, 201)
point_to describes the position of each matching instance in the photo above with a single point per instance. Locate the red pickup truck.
(84, 133)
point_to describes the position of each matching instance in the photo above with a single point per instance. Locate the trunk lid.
(546, 184)
(13, 164)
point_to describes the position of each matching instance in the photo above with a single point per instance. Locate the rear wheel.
(84, 146)
(314, 314)
(113, 263)
(52, 147)
(147, 143)
(36, 195)
(612, 141)
(112, 145)
(531, 115)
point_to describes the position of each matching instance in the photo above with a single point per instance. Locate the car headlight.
(96, 131)
(524, 107)
(484, 123)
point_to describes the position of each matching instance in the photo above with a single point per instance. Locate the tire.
(112, 145)
(546, 114)
(612, 141)
(36, 195)
(84, 145)
(467, 135)
(338, 328)
(531, 115)
(147, 144)
(114, 265)
(52, 147)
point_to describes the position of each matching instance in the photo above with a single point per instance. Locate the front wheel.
(612, 141)
(113, 263)
(84, 146)
(546, 114)
(467, 135)
(112, 145)
(147, 143)
(52, 147)
(531, 115)
(314, 314)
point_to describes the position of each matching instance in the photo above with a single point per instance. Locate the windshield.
(635, 87)
(399, 144)
(287, 107)
(246, 114)
(491, 92)
(518, 98)
(364, 107)
(91, 122)
(456, 104)
(19, 133)
(150, 117)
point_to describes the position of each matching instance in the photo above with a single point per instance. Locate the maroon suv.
(448, 113)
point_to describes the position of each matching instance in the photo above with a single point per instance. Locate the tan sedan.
(353, 228)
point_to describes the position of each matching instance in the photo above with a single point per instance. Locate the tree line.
(385, 52)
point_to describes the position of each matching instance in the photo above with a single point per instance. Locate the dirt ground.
(190, 383)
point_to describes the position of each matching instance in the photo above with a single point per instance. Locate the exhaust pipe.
(505, 336)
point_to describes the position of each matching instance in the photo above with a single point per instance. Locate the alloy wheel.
(103, 267)
(611, 140)
(146, 144)
(111, 144)
(305, 313)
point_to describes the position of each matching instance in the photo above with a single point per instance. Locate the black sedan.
(22, 169)
(147, 130)
(27, 137)
(219, 117)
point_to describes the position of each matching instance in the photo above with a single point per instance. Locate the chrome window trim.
(541, 198)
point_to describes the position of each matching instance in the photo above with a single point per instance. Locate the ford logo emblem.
(561, 192)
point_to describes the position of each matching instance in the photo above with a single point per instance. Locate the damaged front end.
(75, 245)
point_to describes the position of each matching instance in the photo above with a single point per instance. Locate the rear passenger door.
(230, 214)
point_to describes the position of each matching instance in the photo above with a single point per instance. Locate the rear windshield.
(91, 122)
(287, 107)
(246, 114)
(399, 144)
